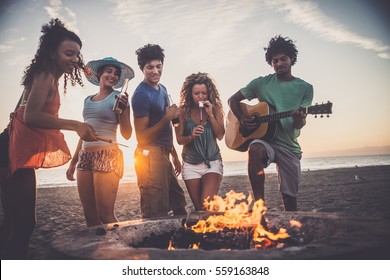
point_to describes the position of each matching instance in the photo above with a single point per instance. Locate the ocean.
(56, 177)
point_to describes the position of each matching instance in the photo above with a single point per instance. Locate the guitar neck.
(275, 117)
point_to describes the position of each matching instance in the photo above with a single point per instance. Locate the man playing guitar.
(283, 92)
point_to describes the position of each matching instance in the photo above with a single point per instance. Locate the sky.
(344, 52)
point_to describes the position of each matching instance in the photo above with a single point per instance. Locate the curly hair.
(199, 79)
(149, 52)
(280, 44)
(54, 33)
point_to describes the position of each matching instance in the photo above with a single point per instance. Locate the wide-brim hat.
(93, 66)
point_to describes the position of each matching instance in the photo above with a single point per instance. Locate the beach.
(358, 191)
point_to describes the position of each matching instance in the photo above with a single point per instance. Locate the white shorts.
(197, 171)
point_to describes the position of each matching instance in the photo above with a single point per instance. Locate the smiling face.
(152, 72)
(109, 76)
(66, 56)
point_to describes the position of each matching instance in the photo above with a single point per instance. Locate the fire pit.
(326, 236)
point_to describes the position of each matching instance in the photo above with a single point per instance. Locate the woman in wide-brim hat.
(92, 70)
(100, 164)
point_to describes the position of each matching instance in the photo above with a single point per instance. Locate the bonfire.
(233, 222)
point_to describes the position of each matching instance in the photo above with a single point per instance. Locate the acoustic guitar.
(238, 137)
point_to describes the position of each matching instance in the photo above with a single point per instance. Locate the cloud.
(57, 10)
(19, 60)
(203, 30)
(54, 9)
(384, 55)
(5, 48)
(9, 46)
(310, 17)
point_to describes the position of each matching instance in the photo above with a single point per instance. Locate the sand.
(361, 191)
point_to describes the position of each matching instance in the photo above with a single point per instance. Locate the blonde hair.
(199, 79)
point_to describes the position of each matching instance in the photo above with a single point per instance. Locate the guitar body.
(239, 140)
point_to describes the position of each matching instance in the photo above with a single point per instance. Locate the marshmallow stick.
(201, 105)
(112, 142)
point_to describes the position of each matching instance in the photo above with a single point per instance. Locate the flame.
(294, 223)
(235, 211)
(261, 172)
(236, 214)
(170, 246)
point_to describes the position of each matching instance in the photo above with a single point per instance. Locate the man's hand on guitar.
(299, 117)
(249, 122)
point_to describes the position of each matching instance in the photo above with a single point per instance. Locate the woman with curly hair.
(203, 123)
(35, 139)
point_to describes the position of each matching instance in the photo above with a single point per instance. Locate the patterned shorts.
(101, 161)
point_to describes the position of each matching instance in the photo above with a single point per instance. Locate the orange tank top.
(31, 147)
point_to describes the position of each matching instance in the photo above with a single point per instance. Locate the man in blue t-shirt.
(283, 92)
(159, 188)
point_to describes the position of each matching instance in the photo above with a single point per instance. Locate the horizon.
(338, 154)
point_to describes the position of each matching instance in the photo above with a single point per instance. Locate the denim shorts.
(197, 171)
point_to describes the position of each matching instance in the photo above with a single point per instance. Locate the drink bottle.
(175, 121)
(119, 107)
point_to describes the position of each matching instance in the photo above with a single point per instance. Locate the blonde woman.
(201, 124)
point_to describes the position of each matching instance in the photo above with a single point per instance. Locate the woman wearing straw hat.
(100, 164)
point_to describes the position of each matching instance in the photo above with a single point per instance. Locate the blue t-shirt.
(282, 96)
(149, 102)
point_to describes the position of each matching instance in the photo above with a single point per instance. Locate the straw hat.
(93, 66)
